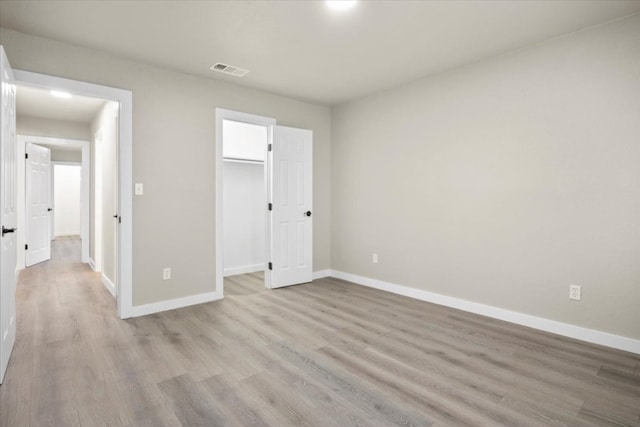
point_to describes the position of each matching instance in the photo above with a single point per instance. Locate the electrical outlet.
(139, 189)
(575, 292)
(166, 274)
(374, 258)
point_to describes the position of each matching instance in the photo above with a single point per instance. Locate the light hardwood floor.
(329, 353)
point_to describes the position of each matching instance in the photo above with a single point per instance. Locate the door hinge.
(26, 155)
(26, 247)
(270, 207)
(270, 266)
(270, 147)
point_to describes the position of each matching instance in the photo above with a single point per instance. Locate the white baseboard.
(92, 264)
(232, 271)
(66, 234)
(111, 287)
(321, 274)
(172, 304)
(559, 328)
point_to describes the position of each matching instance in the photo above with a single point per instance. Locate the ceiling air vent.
(229, 69)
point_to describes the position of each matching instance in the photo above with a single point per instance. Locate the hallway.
(64, 316)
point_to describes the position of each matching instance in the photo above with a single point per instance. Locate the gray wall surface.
(72, 156)
(38, 126)
(503, 182)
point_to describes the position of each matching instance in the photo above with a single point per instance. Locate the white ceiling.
(302, 49)
(40, 103)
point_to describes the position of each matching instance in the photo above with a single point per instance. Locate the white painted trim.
(21, 190)
(92, 264)
(222, 114)
(572, 331)
(243, 269)
(321, 274)
(97, 199)
(172, 304)
(108, 284)
(57, 162)
(52, 188)
(66, 234)
(124, 97)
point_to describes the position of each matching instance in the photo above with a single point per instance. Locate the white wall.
(66, 199)
(244, 217)
(502, 182)
(104, 162)
(244, 140)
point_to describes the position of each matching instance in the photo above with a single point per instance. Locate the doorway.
(244, 196)
(263, 198)
(241, 195)
(62, 150)
(67, 199)
(121, 208)
(39, 112)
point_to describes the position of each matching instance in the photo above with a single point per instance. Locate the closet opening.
(244, 205)
(244, 199)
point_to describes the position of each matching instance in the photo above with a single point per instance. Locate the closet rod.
(237, 160)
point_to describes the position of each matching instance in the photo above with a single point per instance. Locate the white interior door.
(38, 201)
(292, 196)
(8, 212)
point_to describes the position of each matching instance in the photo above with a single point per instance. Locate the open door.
(38, 233)
(8, 212)
(291, 173)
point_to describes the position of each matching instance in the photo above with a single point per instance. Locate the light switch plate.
(139, 189)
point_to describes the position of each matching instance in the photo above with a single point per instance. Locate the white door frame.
(57, 142)
(222, 114)
(96, 261)
(125, 167)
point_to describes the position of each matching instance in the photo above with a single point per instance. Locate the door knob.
(49, 209)
(6, 230)
(308, 213)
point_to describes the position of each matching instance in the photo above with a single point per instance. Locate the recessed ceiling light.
(341, 4)
(60, 94)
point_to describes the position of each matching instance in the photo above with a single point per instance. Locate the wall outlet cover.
(575, 292)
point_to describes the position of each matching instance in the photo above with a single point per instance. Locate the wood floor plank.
(190, 402)
(327, 353)
(351, 388)
(235, 406)
(280, 406)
